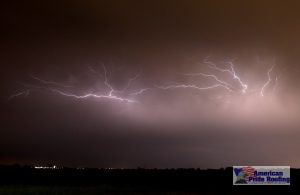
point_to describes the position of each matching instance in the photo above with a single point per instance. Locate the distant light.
(42, 167)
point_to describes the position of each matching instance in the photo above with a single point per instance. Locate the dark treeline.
(141, 180)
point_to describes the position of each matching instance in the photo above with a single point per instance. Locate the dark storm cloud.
(60, 40)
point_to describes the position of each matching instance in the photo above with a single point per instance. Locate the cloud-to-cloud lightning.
(189, 86)
(50, 82)
(217, 76)
(59, 88)
(231, 71)
(219, 82)
(24, 93)
(109, 96)
(268, 81)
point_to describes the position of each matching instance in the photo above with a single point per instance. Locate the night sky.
(153, 84)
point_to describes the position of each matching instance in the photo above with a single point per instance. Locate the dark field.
(27, 180)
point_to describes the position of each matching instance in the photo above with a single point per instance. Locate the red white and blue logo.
(261, 175)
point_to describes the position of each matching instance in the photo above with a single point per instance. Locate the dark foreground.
(27, 180)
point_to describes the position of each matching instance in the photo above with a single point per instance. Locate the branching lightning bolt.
(109, 95)
(50, 82)
(113, 97)
(139, 92)
(268, 81)
(107, 83)
(244, 86)
(60, 89)
(130, 81)
(220, 82)
(24, 93)
(231, 71)
(129, 95)
(189, 86)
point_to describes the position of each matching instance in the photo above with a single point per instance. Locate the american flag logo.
(250, 172)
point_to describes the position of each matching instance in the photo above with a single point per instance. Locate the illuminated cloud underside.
(128, 95)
